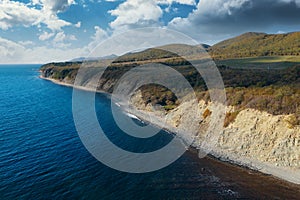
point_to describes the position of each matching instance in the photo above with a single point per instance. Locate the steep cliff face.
(263, 137)
(254, 139)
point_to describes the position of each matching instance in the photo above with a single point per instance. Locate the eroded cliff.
(256, 139)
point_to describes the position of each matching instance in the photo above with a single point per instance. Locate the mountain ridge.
(253, 44)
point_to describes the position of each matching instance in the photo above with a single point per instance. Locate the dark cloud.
(254, 14)
(236, 16)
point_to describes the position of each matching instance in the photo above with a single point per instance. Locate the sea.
(42, 156)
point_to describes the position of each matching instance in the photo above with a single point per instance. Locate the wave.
(132, 116)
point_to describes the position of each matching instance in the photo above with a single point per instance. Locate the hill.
(167, 52)
(81, 59)
(257, 44)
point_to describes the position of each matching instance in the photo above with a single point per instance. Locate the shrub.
(293, 121)
(206, 113)
(230, 117)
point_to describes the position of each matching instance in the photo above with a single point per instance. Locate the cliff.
(255, 139)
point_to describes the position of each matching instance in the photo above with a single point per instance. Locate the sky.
(41, 31)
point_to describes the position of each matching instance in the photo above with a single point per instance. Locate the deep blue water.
(42, 157)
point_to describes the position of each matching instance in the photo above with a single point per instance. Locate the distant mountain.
(164, 52)
(80, 59)
(257, 44)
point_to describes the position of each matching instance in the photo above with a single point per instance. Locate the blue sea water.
(42, 157)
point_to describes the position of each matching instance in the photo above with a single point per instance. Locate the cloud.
(132, 14)
(26, 43)
(78, 25)
(220, 18)
(60, 37)
(17, 53)
(13, 13)
(62, 40)
(54, 6)
(9, 50)
(137, 40)
(136, 13)
(183, 2)
(297, 2)
(59, 49)
(45, 36)
(99, 36)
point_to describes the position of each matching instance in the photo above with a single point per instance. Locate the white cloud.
(136, 13)
(183, 2)
(78, 25)
(45, 36)
(10, 50)
(60, 37)
(54, 6)
(13, 13)
(137, 40)
(72, 37)
(37, 54)
(17, 53)
(141, 13)
(62, 40)
(99, 36)
(26, 43)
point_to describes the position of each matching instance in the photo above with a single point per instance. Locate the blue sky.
(39, 31)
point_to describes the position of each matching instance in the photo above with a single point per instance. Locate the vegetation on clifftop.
(264, 83)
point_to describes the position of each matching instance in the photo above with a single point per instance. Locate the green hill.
(257, 44)
(167, 52)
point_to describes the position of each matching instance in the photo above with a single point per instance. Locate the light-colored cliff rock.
(254, 139)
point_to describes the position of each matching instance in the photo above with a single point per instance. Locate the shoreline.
(72, 86)
(282, 173)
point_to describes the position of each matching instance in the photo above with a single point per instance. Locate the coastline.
(56, 81)
(282, 173)
(72, 86)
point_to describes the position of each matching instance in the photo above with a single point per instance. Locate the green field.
(269, 62)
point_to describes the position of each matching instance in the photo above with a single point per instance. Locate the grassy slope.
(257, 44)
(258, 51)
(263, 62)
